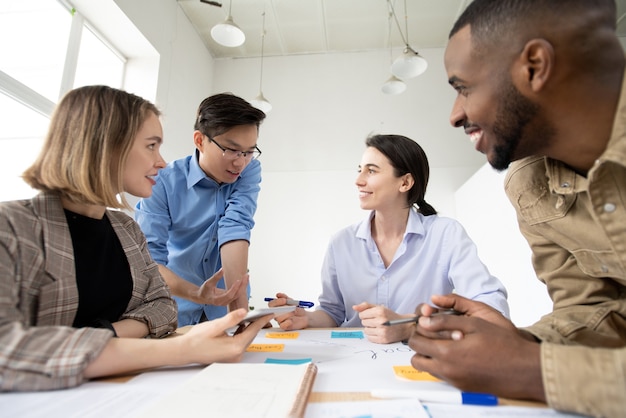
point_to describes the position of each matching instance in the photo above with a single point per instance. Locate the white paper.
(397, 408)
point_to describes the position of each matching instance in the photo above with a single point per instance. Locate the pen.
(438, 396)
(292, 302)
(417, 317)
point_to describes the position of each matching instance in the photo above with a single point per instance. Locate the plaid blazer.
(39, 349)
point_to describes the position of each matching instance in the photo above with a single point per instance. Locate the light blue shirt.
(190, 216)
(436, 256)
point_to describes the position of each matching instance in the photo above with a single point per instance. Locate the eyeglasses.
(233, 154)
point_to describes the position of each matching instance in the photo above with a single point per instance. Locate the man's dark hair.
(221, 112)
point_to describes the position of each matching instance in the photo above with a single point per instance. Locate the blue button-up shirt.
(436, 256)
(188, 218)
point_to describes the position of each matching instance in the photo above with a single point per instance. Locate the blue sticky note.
(288, 361)
(346, 334)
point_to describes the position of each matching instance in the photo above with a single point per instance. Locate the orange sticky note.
(283, 335)
(273, 348)
(410, 373)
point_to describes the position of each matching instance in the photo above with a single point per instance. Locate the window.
(52, 50)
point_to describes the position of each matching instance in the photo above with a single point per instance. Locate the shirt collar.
(414, 225)
(196, 174)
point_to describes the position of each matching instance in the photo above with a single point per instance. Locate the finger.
(223, 297)
(444, 325)
(362, 306)
(424, 346)
(453, 301)
(256, 325)
(424, 364)
(234, 288)
(280, 300)
(424, 309)
(245, 334)
(229, 320)
(216, 277)
(277, 302)
(284, 317)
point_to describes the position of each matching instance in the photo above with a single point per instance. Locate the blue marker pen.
(439, 396)
(292, 302)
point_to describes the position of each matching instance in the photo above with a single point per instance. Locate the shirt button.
(383, 278)
(609, 207)
(604, 269)
(565, 185)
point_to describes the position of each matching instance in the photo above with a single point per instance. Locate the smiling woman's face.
(144, 159)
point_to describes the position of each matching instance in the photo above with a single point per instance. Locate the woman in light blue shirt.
(384, 266)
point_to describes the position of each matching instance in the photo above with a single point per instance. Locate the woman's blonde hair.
(84, 153)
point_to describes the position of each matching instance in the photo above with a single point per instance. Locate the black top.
(103, 276)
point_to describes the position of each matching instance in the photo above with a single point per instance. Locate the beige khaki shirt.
(576, 227)
(39, 349)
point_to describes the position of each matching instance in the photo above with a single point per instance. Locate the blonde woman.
(75, 272)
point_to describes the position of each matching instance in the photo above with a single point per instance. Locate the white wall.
(324, 107)
(489, 219)
(312, 141)
(185, 70)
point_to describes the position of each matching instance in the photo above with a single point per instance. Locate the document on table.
(237, 390)
(405, 408)
(470, 411)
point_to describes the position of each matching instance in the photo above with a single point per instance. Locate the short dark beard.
(513, 117)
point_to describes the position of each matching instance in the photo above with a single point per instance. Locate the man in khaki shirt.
(540, 83)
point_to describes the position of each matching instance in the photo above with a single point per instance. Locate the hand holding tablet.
(258, 313)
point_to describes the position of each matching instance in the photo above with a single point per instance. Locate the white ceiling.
(296, 27)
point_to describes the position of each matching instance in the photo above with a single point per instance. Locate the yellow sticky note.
(273, 348)
(283, 335)
(409, 373)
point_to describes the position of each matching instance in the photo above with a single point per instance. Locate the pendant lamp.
(410, 64)
(393, 85)
(228, 33)
(260, 102)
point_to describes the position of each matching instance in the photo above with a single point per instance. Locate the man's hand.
(480, 351)
(209, 294)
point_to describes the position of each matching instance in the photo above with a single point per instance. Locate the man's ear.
(534, 66)
(198, 140)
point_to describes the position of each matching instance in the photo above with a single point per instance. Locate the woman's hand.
(372, 318)
(208, 342)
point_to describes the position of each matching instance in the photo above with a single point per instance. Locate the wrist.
(104, 323)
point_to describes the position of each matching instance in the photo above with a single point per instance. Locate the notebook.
(240, 390)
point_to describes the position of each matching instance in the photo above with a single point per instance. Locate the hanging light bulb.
(410, 64)
(260, 102)
(393, 85)
(228, 33)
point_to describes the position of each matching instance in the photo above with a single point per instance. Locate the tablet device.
(257, 313)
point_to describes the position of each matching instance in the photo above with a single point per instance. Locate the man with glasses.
(200, 215)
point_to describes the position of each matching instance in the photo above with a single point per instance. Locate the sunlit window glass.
(34, 36)
(97, 63)
(21, 137)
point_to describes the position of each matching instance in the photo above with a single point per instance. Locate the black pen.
(417, 317)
